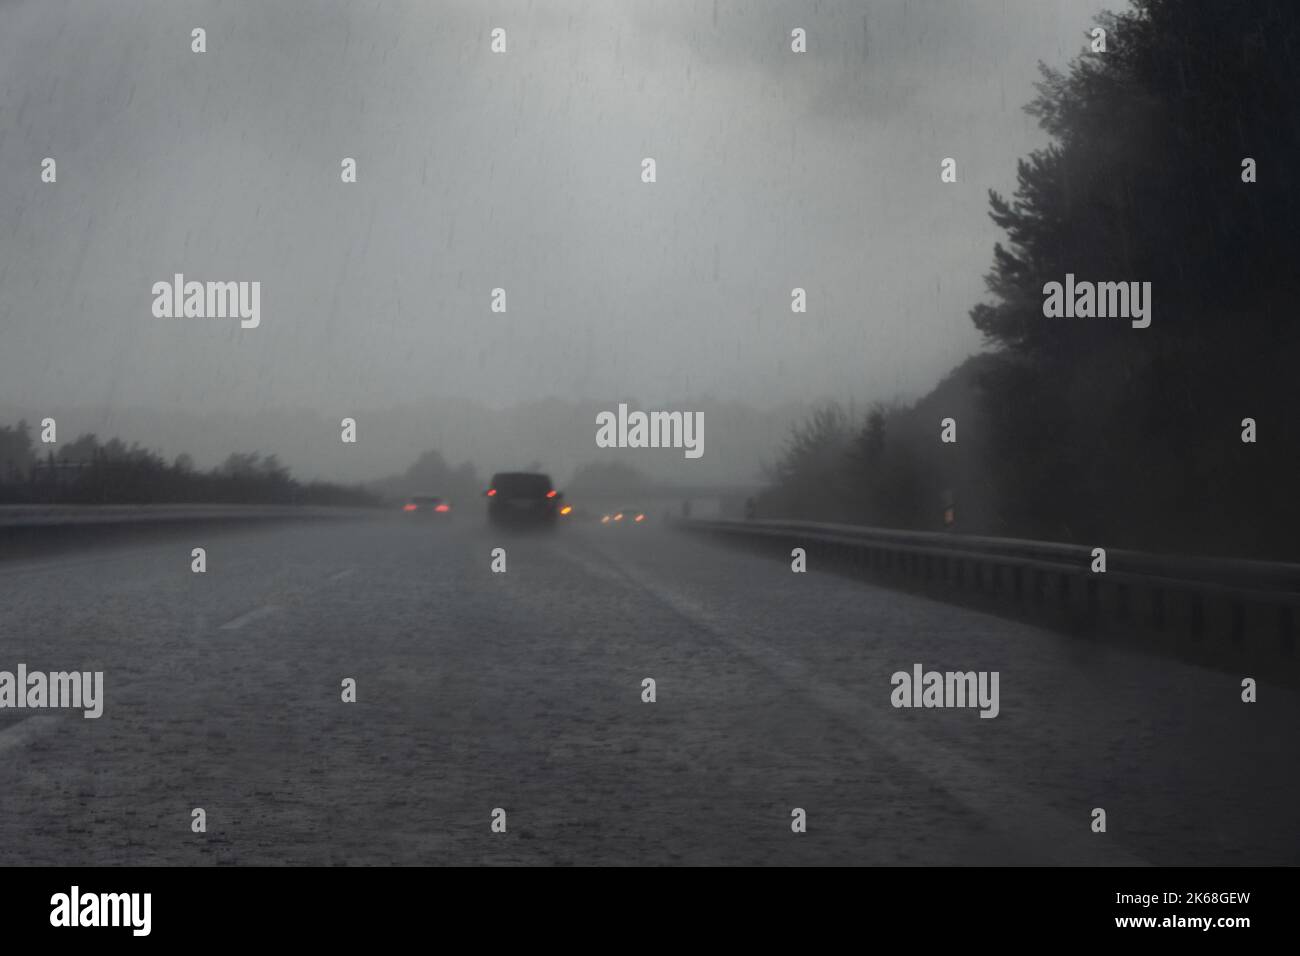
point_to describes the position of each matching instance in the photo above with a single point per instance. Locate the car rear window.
(522, 485)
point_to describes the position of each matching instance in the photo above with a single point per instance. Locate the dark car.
(427, 506)
(523, 498)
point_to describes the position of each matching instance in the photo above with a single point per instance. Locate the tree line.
(1170, 161)
(88, 471)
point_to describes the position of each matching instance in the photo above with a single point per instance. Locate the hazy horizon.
(519, 171)
(739, 439)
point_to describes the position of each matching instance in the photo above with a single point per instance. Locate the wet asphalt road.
(523, 691)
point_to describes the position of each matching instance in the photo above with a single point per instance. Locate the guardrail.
(28, 530)
(42, 516)
(1222, 612)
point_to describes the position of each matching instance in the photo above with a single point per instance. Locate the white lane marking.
(25, 731)
(253, 615)
(261, 612)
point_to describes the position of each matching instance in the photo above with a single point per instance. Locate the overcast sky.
(521, 171)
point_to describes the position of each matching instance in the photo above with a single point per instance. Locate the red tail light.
(640, 518)
(491, 492)
(552, 493)
(442, 508)
(408, 507)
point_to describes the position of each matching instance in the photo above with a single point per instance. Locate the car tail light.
(604, 519)
(566, 509)
(409, 507)
(443, 508)
(619, 516)
(491, 492)
(639, 518)
(552, 493)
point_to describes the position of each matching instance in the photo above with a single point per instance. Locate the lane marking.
(25, 731)
(253, 615)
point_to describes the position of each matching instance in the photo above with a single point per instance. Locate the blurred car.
(427, 506)
(628, 517)
(521, 498)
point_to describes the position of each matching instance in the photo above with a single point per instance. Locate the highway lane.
(523, 691)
